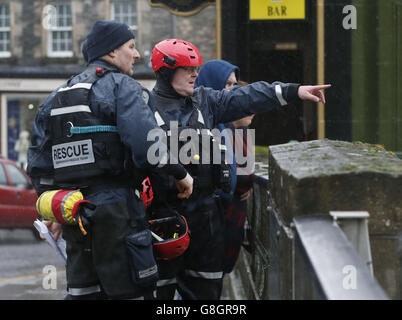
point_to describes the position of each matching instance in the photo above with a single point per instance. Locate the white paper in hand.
(59, 245)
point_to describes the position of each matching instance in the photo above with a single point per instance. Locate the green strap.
(91, 129)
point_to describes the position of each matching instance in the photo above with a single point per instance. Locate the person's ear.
(112, 54)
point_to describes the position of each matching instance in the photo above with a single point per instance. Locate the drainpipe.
(320, 65)
(218, 29)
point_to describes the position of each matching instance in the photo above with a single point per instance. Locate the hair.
(242, 83)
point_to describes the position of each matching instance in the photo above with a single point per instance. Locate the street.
(22, 263)
(29, 269)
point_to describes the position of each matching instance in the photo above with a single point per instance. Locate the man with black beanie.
(91, 134)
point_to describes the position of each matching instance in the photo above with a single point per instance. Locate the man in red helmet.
(197, 274)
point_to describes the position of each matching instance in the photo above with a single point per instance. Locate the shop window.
(17, 116)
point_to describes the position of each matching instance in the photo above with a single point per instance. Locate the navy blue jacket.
(116, 98)
(219, 106)
(222, 106)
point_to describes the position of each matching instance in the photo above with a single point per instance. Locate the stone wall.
(316, 177)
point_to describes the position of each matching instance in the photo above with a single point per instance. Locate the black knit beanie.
(104, 37)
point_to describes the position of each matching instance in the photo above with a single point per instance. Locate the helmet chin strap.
(164, 77)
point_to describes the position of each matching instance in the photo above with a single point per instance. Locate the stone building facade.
(41, 43)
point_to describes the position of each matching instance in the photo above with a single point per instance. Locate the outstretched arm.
(257, 97)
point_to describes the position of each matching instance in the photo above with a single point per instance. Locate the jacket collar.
(102, 63)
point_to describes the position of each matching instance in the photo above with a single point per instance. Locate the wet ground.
(27, 266)
(31, 270)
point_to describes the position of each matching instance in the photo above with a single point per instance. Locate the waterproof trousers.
(97, 263)
(198, 273)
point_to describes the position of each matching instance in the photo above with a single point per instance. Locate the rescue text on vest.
(72, 153)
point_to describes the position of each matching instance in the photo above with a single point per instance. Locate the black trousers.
(198, 273)
(97, 263)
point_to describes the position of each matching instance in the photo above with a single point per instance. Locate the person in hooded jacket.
(218, 75)
(91, 134)
(199, 271)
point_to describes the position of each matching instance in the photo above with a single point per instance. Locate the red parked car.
(17, 197)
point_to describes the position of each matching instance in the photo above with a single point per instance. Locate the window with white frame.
(125, 12)
(5, 30)
(60, 42)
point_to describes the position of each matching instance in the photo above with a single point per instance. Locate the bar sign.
(277, 9)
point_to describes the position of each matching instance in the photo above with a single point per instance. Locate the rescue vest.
(207, 176)
(83, 145)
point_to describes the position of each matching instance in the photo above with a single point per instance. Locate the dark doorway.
(274, 51)
(285, 123)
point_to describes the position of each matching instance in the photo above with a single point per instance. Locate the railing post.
(355, 226)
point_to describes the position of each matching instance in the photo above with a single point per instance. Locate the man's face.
(125, 57)
(183, 80)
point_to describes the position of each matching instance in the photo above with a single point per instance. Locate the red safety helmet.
(147, 193)
(171, 236)
(174, 53)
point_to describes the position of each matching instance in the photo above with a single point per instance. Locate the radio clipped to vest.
(83, 145)
(222, 177)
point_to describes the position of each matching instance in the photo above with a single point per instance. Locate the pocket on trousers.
(144, 270)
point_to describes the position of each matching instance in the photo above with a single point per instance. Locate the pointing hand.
(313, 93)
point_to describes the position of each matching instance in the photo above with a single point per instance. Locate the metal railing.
(324, 256)
(326, 264)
